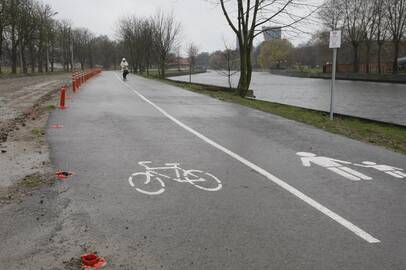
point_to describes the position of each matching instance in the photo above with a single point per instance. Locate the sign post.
(335, 43)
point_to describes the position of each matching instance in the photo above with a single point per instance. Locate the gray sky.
(202, 22)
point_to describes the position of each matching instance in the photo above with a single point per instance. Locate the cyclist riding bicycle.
(124, 68)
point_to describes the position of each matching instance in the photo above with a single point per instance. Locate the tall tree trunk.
(190, 73)
(249, 67)
(355, 57)
(395, 56)
(1, 48)
(47, 59)
(162, 67)
(32, 58)
(40, 58)
(13, 51)
(243, 82)
(368, 45)
(52, 57)
(23, 59)
(379, 57)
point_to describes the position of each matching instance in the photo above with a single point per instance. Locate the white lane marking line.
(347, 224)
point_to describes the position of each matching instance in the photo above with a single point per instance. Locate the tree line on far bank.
(373, 39)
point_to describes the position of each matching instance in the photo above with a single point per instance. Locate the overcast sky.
(202, 22)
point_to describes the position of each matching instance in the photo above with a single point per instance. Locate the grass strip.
(390, 136)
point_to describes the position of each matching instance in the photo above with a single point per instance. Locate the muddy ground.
(24, 106)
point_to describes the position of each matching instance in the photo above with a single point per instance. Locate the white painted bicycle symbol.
(151, 181)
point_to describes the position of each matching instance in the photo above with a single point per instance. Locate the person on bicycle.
(124, 68)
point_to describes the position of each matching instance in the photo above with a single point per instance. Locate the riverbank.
(390, 136)
(383, 102)
(385, 78)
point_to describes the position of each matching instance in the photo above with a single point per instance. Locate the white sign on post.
(335, 39)
(335, 43)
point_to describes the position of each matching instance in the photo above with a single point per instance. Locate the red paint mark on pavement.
(63, 175)
(92, 261)
(56, 126)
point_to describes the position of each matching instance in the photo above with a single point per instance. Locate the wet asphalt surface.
(384, 102)
(250, 223)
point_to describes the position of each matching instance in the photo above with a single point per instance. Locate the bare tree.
(246, 18)
(137, 36)
(65, 42)
(165, 34)
(396, 11)
(371, 11)
(332, 15)
(231, 63)
(14, 17)
(382, 25)
(356, 21)
(81, 42)
(4, 19)
(225, 63)
(192, 52)
(26, 29)
(31, 37)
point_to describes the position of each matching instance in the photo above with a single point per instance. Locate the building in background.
(271, 33)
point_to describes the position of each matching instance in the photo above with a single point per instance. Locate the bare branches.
(166, 31)
(33, 38)
(396, 12)
(148, 40)
(246, 17)
(192, 52)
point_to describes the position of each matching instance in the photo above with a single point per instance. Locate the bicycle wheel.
(147, 184)
(203, 180)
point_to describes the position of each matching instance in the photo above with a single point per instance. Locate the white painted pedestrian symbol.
(150, 182)
(393, 171)
(334, 165)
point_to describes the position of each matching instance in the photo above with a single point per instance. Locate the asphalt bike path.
(310, 212)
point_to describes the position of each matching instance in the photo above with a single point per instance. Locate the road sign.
(335, 39)
(335, 43)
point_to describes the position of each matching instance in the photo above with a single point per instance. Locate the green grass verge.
(387, 135)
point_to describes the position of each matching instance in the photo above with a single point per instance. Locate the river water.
(377, 101)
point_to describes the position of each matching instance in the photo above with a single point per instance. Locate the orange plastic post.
(73, 83)
(62, 99)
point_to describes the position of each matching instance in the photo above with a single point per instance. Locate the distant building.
(271, 33)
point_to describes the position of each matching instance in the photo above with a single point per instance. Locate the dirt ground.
(24, 155)
(24, 107)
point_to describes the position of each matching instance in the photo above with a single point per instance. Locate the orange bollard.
(76, 82)
(73, 84)
(62, 99)
(78, 79)
(67, 92)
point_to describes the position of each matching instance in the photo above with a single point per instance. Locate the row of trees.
(31, 39)
(149, 41)
(365, 23)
